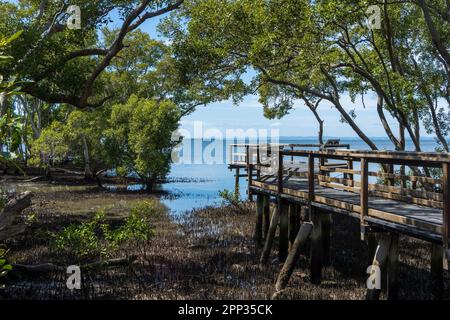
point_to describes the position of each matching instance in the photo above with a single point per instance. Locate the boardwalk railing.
(353, 171)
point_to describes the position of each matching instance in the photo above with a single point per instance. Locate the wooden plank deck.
(427, 219)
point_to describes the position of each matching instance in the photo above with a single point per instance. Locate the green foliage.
(51, 147)
(234, 200)
(97, 238)
(139, 139)
(5, 267)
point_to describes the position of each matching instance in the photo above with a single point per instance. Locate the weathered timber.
(270, 236)
(316, 246)
(446, 211)
(288, 267)
(326, 237)
(364, 195)
(294, 223)
(266, 216)
(378, 264)
(7, 216)
(259, 219)
(392, 268)
(437, 271)
(283, 241)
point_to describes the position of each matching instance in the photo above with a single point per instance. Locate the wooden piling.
(364, 195)
(437, 271)
(294, 223)
(288, 267)
(259, 219)
(266, 216)
(378, 264)
(283, 242)
(270, 236)
(392, 268)
(250, 182)
(236, 182)
(446, 211)
(316, 247)
(372, 245)
(326, 237)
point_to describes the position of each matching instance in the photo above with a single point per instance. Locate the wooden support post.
(311, 178)
(392, 268)
(292, 157)
(350, 176)
(288, 267)
(283, 241)
(250, 182)
(378, 264)
(316, 247)
(266, 216)
(270, 236)
(391, 181)
(402, 174)
(236, 182)
(294, 223)
(372, 245)
(321, 164)
(437, 271)
(326, 237)
(446, 211)
(280, 172)
(364, 195)
(305, 216)
(259, 219)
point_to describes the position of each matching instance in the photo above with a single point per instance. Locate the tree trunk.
(435, 37)
(87, 160)
(3, 109)
(3, 103)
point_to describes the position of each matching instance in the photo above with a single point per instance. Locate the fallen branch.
(50, 267)
(12, 209)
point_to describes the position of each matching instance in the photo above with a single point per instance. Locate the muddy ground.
(205, 254)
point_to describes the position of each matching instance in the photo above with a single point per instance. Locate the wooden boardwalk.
(389, 193)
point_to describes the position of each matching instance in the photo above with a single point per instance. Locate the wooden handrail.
(364, 198)
(446, 211)
(431, 159)
(311, 177)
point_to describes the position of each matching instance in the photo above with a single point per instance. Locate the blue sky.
(300, 122)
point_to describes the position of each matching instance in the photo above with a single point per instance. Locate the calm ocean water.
(198, 185)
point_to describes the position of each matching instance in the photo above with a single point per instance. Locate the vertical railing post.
(364, 194)
(350, 175)
(391, 179)
(283, 242)
(250, 173)
(292, 156)
(280, 171)
(311, 178)
(258, 162)
(446, 211)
